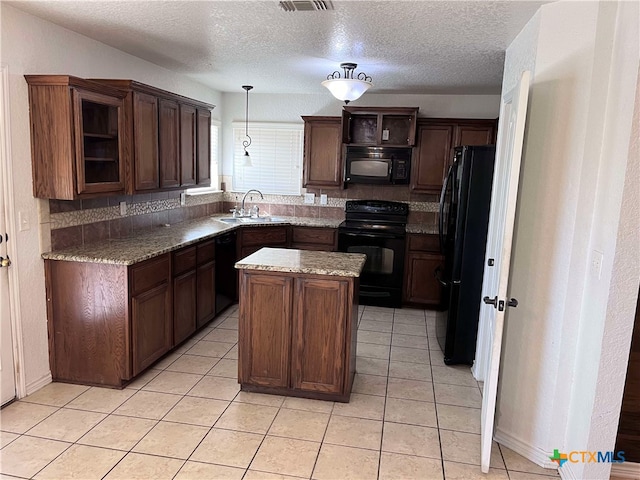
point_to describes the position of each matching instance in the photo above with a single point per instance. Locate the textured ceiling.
(406, 46)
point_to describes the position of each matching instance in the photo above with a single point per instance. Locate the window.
(215, 148)
(276, 155)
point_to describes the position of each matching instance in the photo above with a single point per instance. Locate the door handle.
(512, 303)
(5, 262)
(491, 301)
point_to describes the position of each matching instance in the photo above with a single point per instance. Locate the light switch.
(23, 220)
(323, 199)
(123, 208)
(183, 199)
(310, 198)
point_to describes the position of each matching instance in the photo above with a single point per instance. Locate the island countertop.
(304, 261)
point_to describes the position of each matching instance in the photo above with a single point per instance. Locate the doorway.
(7, 312)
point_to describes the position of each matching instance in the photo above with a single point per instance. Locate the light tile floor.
(410, 417)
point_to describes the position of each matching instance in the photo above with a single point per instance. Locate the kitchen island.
(298, 322)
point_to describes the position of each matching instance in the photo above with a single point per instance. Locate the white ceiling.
(406, 46)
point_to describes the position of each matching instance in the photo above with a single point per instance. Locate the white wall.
(289, 108)
(34, 46)
(574, 162)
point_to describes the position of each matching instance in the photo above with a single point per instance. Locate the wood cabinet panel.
(389, 126)
(315, 235)
(187, 145)
(77, 137)
(265, 330)
(151, 325)
(421, 285)
(206, 251)
(169, 143)
(183, 260)
(423, 242)
(436, 139)
(88, 322)
(204, 148)
(145, 139)
(322, 152)
(431, 157)
(264, 236)
(318, 340)
(482, 134)
(150, 273)
(206, 293)
(184, 306)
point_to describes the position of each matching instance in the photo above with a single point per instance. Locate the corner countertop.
(289, 260)
(156, 241)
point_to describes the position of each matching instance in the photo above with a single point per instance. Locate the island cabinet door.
(319, 326)
(265, 329)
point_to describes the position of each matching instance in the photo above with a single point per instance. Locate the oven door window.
(369, 168)
(379, 259)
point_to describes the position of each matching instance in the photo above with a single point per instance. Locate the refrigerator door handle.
(437, 274)
(441, 212)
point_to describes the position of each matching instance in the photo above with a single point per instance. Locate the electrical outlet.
(597, 257)
(323, 199)
(123, 208)
(183, 199)
(310, 198)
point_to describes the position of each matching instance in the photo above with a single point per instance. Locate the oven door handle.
(370, 235)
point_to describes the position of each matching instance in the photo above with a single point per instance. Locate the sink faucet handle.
(234, 212)
(255, 211)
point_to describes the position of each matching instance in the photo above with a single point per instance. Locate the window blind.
(276, 157)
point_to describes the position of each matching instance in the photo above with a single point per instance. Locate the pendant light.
(344, 87)
(246, 158)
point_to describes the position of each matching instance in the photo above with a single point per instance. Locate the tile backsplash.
(77, 222)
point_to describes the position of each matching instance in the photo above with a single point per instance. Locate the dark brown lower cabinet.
(300, 345)
(252, 239)
(318, 339)
(266, 331)
(184, 306)
(314, 238)
(421, 287)
(107, 323)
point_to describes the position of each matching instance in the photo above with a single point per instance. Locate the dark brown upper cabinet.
(187, 145)
(203, 138)
(146, 171)
(436, 138)
(77, 130)
(322, 152)
(169, 143)
(378, 126)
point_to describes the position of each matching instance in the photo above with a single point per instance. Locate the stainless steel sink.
(252, 220)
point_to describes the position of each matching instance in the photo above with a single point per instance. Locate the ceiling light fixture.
(344, 87)
(246, 162)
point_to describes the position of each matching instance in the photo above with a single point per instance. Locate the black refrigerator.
(463, 222)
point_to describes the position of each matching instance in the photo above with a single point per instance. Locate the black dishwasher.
(226, 274)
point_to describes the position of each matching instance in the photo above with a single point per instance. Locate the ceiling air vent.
(305, 6)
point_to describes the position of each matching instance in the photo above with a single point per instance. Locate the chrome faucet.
(242, 210)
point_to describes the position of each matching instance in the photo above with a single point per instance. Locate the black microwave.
(377, 165)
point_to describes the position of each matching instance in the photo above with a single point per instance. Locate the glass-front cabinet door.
(99, 125)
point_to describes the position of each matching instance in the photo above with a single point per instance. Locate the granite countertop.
(289, 260)
(156, 241)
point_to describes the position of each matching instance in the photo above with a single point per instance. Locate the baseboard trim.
(566, 472)
(530, 452)
(39, 383)
(629, 470)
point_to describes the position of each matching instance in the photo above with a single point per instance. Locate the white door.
(7, 371)
(504, 195)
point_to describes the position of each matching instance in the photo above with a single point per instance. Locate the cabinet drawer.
(322, 236)
(424, 243)
(150, 273)
(184, 260)
(206, 251)
(264, 236)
